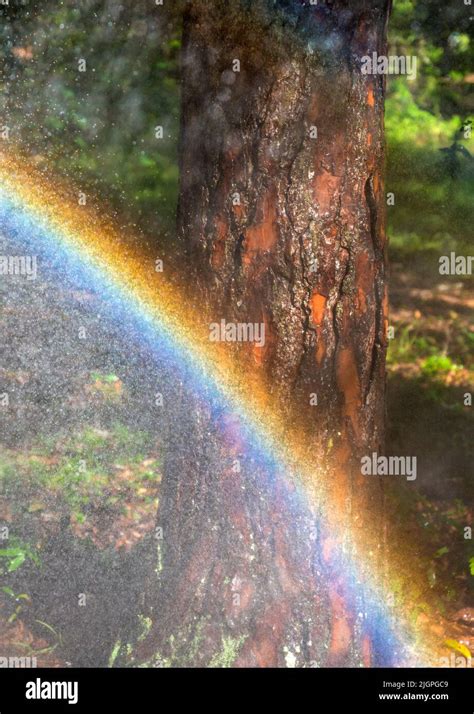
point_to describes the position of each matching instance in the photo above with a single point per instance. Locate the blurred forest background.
(97, 129)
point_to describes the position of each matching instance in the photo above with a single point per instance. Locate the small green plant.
(11, 559)
(108, 378)
(108, 386)
(115, 653)
(17, 600)
(437, 364)
(15, 555)
(471, 565)
(410, 346)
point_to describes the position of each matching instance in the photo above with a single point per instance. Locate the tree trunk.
(282, 214)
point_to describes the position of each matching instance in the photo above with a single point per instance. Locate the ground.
(80, 469)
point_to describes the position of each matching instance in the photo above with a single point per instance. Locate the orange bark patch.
(369, 139)
(313, 112)
(218, 254)
(262, 649)
(320, 350)
(365, 275)
(259, 352)
(325, 186)
(238, 210)
(236, 515)
(340, 487)
(262, 237)
(376, 183)
(361, 301)
(385, 311)
(240, 596)
(371, 98)
(246, 595)
(349, 384)
(282, 559)
(318, 305)
(341, 633)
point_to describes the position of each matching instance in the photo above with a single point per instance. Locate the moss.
(115, 652)
(230, 649)
(146, 624)
(159, 560)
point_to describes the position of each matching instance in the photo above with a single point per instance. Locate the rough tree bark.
(282, 214)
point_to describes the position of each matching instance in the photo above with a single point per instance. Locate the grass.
(93, 492)
(94, 478)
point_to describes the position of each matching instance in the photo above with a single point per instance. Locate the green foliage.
(406, 120)
(12, 557)
(437, 364)
(434, 212)
(440, 38)
(98, 126)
